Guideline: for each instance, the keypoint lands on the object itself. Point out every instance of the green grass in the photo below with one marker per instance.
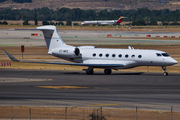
(9, 45)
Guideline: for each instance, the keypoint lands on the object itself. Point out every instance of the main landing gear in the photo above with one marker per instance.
(165, 71)
(90, 71)
(107, 71)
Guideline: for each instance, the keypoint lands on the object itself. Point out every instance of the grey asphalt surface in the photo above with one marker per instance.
(119, 90)
(19, 37)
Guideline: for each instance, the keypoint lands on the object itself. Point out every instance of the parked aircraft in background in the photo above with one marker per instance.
(104, 58)
(103, 22)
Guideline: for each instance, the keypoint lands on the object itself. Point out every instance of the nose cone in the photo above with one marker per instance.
(175, 62)
(171, 61)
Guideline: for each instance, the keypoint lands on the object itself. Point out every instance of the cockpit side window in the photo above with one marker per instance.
(165, 54)
(158, 54)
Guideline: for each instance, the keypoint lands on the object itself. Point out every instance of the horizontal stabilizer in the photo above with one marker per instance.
(47, 27)
(122, 17)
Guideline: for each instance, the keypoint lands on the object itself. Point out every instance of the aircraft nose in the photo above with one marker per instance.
(173, 62)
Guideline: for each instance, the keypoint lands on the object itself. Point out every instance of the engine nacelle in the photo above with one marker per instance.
(66, 52)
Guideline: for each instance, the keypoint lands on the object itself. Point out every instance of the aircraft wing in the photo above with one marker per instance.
(93, 64)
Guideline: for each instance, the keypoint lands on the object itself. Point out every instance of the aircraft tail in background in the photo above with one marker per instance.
(120, 19)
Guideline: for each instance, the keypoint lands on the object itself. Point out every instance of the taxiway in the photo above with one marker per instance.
(75, 88)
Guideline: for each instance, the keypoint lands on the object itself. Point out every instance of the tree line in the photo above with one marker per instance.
(139, 16)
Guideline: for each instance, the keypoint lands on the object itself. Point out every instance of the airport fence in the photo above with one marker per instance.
(86, 113)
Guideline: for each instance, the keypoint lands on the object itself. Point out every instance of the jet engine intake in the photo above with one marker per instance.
(76, 52)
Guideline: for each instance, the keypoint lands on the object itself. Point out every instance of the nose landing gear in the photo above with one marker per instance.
(165, 71)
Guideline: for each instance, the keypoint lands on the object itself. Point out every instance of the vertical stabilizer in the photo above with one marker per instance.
(51, 36)
(120, 19)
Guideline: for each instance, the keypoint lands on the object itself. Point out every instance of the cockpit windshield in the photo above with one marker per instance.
(165, 55)
(158, 54)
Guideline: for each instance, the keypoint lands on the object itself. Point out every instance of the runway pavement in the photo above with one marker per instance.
(75, 88)
(19, 37)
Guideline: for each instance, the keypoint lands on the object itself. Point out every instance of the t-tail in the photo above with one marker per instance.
(56, 45)
(52, 38)
(120, 19)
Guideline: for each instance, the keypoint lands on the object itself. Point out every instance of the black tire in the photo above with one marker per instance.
(89, 72)
(107, 71)
(165, 73)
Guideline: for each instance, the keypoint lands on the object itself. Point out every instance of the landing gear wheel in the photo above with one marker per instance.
(89, 72)
(107, 71)
(165, 73)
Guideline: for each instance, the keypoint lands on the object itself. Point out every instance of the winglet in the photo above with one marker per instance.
(10, 56)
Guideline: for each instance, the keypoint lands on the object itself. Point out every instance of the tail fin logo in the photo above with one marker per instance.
(120, 19)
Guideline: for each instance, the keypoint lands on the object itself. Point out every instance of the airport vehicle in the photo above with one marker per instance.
(103, 22)
(104, 58)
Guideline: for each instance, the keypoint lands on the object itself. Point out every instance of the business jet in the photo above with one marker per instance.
(104, 22)
(104, 58)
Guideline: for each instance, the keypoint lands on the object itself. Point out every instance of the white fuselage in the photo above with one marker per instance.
(107, 22)
(128, 57)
